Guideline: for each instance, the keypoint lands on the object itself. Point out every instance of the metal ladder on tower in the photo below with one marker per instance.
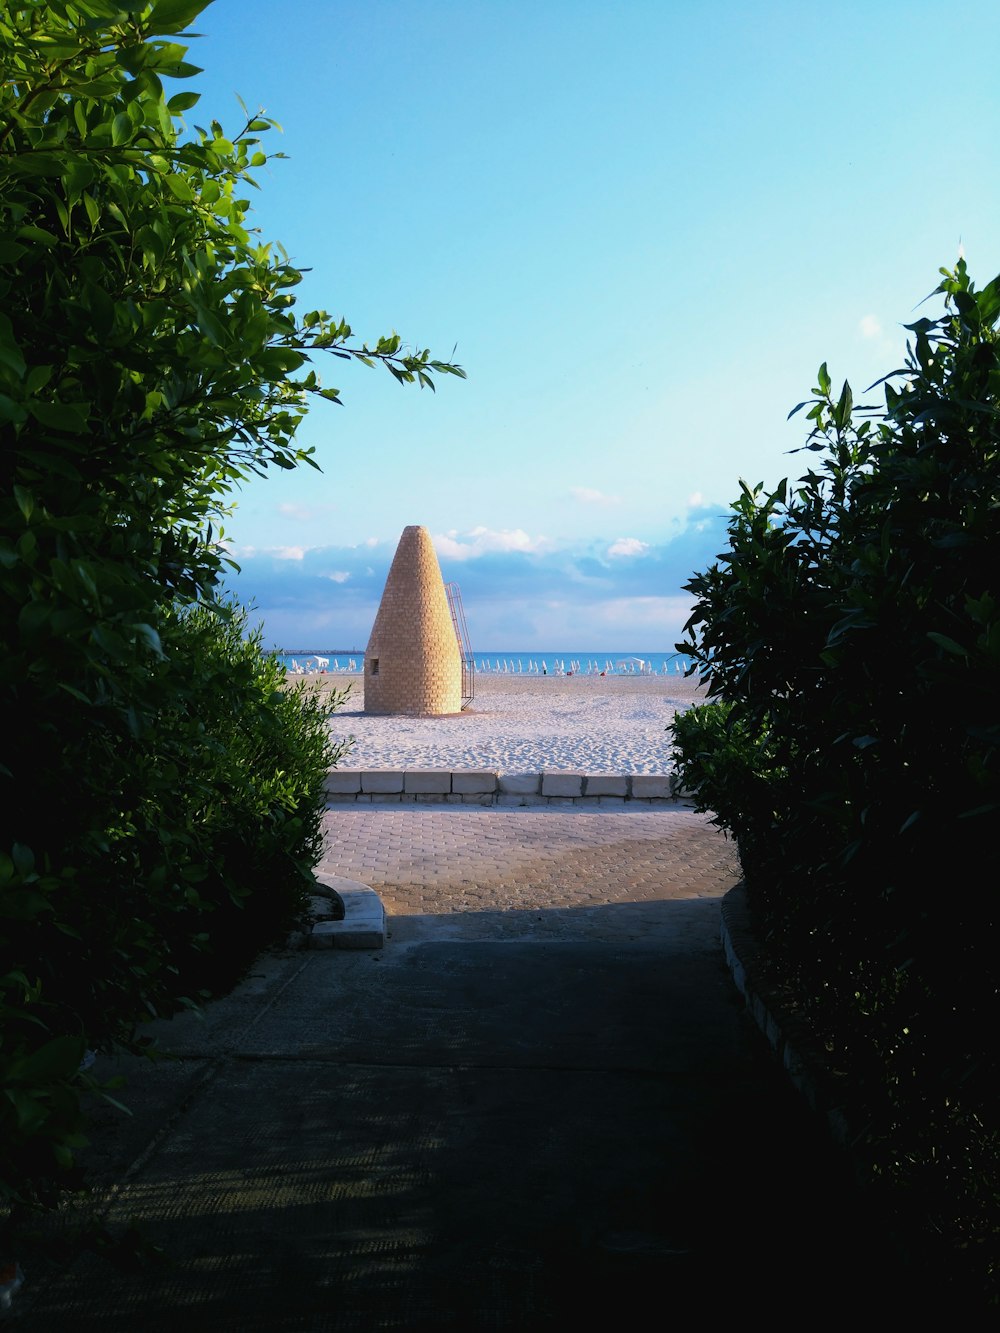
(454, 596)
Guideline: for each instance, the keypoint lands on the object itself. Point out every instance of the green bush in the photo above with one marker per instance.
(256, 754)
(207, 858)
(158, 789)
(717, 755)
(852, 633)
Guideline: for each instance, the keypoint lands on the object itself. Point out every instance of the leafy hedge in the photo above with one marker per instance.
(850, 638)
(158, 790)
(211, 827)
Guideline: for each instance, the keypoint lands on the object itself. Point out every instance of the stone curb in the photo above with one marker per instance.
(363, 923)
(493, 788)
(791, 1041)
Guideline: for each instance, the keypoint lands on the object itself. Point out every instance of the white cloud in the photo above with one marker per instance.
(524, 591)
(628, 546)
(643, 613)
(870, 326)
(588, 496)
(370, 541)
(696, 500)
(481, 541)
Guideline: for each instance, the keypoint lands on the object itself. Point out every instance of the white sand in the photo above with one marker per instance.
(519, 724)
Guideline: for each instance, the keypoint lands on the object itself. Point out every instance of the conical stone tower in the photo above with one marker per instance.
(412, 663)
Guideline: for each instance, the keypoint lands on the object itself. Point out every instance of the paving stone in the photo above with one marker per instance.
(455, 859)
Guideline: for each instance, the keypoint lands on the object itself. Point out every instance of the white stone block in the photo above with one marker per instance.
(520, 784)
(382, 780)
(562, 784)
(605, 784)
(473, 783)
(435, 781)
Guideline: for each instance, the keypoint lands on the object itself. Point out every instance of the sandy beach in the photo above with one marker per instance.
(523, 724)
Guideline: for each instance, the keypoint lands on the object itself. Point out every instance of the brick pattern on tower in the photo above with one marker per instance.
(412, 663)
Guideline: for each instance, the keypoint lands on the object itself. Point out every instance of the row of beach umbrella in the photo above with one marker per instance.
(560, 667)
(509, 666)
(321, 664)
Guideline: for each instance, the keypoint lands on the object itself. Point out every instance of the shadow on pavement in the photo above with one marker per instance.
(489, 1124)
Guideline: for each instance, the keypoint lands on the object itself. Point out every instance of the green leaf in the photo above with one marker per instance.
(71, 417)
(212, 327)
(171, 16)
(25, 502)
(181, 70)
(182, 102)
(37, 234)
(845, 404)
(121, 129)
(824, 381)
(37, 378)
(150, 638)
(948, 644)
(37, 164)
(75, 693)
(179, 187)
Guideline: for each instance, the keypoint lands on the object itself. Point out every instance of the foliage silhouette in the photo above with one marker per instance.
(850, 640)
(157, 785)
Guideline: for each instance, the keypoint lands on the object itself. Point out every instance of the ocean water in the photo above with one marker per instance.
(523, 663)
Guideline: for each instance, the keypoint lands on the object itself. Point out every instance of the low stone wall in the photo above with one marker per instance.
(484, 787)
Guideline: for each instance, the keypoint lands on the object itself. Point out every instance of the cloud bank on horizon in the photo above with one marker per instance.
(519, 591)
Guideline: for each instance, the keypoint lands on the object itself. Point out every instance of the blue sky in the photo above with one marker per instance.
(640, 228)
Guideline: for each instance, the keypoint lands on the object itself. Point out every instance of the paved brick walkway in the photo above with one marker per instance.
(472, 872)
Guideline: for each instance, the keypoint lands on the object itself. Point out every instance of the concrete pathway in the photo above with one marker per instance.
(540, 1106)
